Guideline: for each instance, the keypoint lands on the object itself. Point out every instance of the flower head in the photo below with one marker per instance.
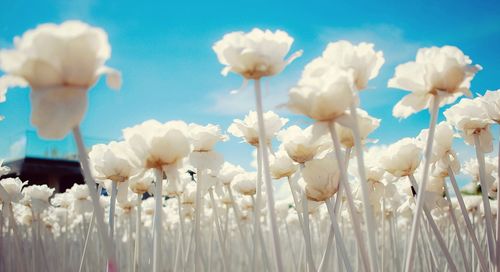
(245, 183)
(204, 138)
(60, 63)
(443, 71)
(402, 157)
(324, 97)
(38, 192)
(366, 123)
(281, 165)
(13, 187)
(303, 145)
(248, 128)
(157, 145)
(491, 103)
(321, 178)
(255, 54)
(112, 161)
(470, 118)
(361, 60)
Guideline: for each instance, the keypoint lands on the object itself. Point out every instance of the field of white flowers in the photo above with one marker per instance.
(163, 199)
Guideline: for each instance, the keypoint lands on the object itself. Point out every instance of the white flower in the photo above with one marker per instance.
(281, 165)
(401, 158)
(471, 167)
(204, 138)
(321, 178)
(442, 142)
(79, 191)
(360, 59)
(249, 130)
(13, 187)
(325, 97)
(142, 183)
(245, 183)
(228, 172)
(254, 54)
(303, 145)
(112, 161)
(366, 123)
(62, 200)
(491, 103)
(38, 192)
(157, 145)
(443, 71)
(470, 118)
(60, 63)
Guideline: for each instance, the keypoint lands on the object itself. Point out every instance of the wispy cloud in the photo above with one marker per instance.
(275, 95)
(80, 9)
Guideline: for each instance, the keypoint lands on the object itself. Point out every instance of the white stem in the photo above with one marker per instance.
(338, 236)
(91, 226)
(468, 223)
(237, 214)
(157, 221)
(138, 234)
(256, 222)
(107, 243)
(451, 211)
(112, 206)
(437, 233)
(486, 201)
(267, 178)
(420, 197)
(367, 207)
(350, 199)
(219, 230)
(197, 227)
(307, 233)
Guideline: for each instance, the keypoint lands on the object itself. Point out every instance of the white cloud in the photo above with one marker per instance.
(274, 96)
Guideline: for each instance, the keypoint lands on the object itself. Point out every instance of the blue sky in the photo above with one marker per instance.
(170, 71)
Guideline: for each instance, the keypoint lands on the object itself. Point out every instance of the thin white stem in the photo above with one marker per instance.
(420, 197)
(486, 201)
(219, 230)
(451, 211)
(107, 243)
(338, 236)
(157, 221)
(267, 178)
(435, 229)
(237, 214)
(307, 233)
(112, 206)
(197, 227)
(138, 234)
(468, 223)
(350, 199)
(367, 207)
(256, 205)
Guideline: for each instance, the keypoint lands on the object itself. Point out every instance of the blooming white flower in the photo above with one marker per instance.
(443, 71)
(248, 128)
(204, 138)
(366, 123)
(112, 161)
(471, 167)
(157, 145)
(321, 178)
(255, 54)
(79, 191)
(361, 60)
(38, 192)
(470, 118)
(491, 103)
(303, 145)
(325, 97)
(402, 157)
(142, 183)
(228, 171)
(281, 165)
(13, 187)
(60, 63)
(245, 183)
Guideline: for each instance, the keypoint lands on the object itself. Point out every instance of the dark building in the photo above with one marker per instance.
(41, 161)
